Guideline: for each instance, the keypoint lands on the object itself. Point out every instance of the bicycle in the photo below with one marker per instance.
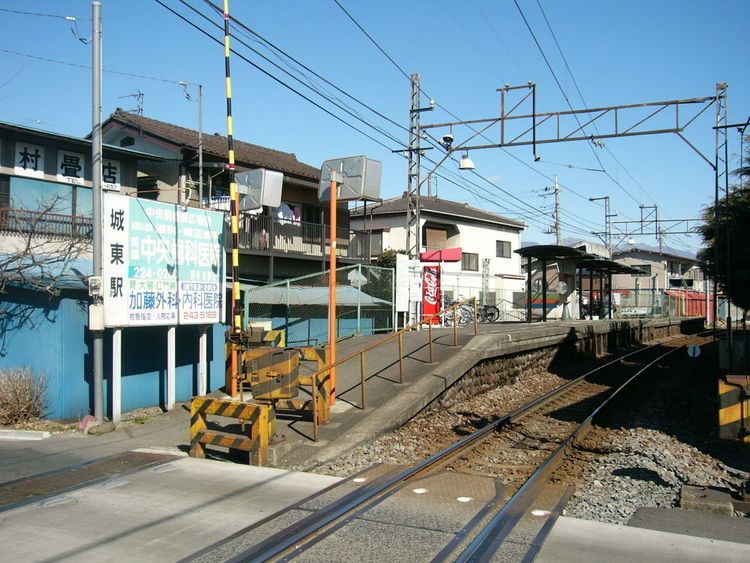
(488, 313)
(464, 314)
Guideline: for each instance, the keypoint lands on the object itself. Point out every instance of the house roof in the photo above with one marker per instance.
(437, 206)
(246, 154)
(23, 129)
(668, 255)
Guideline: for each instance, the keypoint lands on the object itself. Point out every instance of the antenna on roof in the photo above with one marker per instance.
(138, 95)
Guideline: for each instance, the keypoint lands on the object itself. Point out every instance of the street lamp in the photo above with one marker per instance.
(466, 163)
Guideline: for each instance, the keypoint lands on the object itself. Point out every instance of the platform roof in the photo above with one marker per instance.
(552, 252)
(606, 266)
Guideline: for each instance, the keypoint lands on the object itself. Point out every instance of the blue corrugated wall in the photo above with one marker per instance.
(50, 335)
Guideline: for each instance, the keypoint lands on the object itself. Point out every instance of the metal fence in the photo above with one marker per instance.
(299, 306)
(264, 233)
(44, 223)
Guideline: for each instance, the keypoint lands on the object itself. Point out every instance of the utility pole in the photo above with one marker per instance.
(558, 223)
(413, 205)
(412, 191)
(97, 336)
(200, 145)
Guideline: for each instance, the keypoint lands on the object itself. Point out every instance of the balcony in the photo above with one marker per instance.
(52, 225)
(269, 235)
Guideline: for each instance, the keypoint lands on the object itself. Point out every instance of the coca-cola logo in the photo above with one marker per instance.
(431, 286)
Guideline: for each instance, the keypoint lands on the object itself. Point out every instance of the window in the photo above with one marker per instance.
(435, 239)
(148, 187)
(4, 191)
(470, 261)
(502, 249)
(645, 270)
(376, 243)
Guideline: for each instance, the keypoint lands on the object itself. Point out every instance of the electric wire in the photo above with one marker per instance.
(286, 72)
(570, 106)
(534, 210)
(435, 142)
(585, 105)
(88, 67)
(275, 79)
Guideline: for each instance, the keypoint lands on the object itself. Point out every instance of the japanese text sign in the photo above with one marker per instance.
(162, 265)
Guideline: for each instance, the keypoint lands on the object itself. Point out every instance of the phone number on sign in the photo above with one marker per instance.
(200, 315)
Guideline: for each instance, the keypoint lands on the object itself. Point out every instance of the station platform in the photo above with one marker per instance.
(389, 404)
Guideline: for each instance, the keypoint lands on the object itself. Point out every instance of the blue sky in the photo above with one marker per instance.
(619, 52)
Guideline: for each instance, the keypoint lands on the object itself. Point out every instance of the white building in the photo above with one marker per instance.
(661, 271)
(489, 270)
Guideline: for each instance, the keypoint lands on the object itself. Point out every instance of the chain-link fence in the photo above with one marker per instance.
(299, 306)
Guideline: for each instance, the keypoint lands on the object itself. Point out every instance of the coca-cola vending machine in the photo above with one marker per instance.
(431, 293)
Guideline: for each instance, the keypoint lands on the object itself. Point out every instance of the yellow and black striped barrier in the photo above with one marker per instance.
(734, 408)
(261, 420)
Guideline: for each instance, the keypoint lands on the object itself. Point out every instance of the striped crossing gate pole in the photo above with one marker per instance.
(237, 311)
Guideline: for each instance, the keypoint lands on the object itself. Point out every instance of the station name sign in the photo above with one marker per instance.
(162, 264)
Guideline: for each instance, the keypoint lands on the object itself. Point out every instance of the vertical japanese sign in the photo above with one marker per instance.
(111, 175)
(200, 253)
(162, 265)
(29, 160)
(431, 292)
(70, 167)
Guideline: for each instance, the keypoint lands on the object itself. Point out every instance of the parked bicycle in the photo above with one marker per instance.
(461, 315)
(488, 314)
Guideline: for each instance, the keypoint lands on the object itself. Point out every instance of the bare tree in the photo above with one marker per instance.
(37, 251)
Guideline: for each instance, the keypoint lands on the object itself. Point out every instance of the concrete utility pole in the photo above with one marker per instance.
(558, 222)
(200, 145)
(96, 184)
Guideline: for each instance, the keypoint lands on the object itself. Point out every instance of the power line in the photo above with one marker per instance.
(386, 55)
(88, 67)
(535, 211)
(567, 101)
(585, 105)
(237, 22)
(274, 78)
(40, 14)
(361, 28)
(340, 106)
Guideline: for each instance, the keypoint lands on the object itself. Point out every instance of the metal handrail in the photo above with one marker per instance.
(400, 335)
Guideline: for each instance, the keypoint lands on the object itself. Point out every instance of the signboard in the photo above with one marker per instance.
(161, 265)
(431, 292)
(111, 175)
(28, 160)
(70, 167)
(358, 179)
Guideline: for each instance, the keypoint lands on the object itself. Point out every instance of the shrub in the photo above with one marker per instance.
(23, 395)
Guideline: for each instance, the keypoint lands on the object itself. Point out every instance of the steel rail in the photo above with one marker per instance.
(295, 537)
(497, 530)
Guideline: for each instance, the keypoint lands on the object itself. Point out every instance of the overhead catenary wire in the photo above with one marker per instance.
(433, 140)
(237, 22)
(276, 79)
(297, 79)
(585, 105)
(567, 101)
(203, 31)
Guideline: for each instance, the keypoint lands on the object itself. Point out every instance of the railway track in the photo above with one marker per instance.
(521, 450)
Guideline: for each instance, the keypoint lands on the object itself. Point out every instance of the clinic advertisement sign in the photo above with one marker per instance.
(162, 265)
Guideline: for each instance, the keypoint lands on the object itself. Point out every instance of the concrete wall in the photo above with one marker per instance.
(565, 350)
